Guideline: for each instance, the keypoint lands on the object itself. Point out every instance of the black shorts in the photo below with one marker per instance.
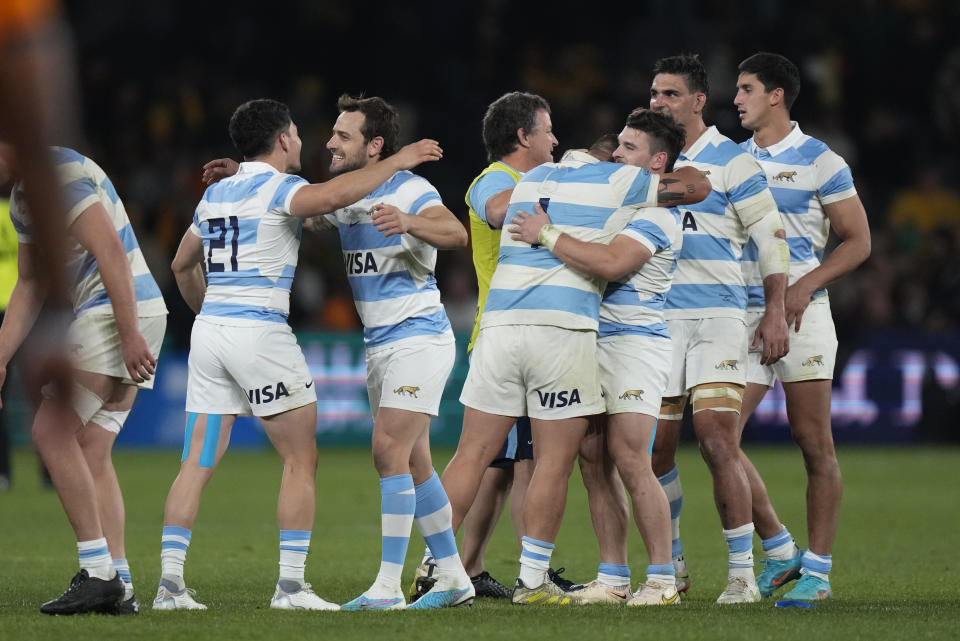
(518, 447)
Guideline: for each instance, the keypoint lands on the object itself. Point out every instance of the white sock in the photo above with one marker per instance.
(294, 545)
(95, 558)
(740, 546)
(534, 561)
(123, 569)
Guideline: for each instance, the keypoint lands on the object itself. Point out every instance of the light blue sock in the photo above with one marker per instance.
(433, 517)
(816, 564)
(294, 545)
(534, 561)
(173, 553)
(616, 576)
(123, 569)
(670, 482)
(781, 546)
(398, 503)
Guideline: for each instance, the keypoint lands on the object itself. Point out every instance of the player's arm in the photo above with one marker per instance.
(94, 231)
(622, 256)
(848, 219)
(683, 186)
(434, 225)
(760, 216)
(348, 188)
(187, 267)
(495, 210)
(24, 306)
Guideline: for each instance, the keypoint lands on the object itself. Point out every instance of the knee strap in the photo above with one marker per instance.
(719, 397)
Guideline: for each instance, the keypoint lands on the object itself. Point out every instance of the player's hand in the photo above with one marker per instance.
(526, 227)
(795, 302)
(137, 357)
(774, 333)
(391, 221)
(217, 170)
(422, 151)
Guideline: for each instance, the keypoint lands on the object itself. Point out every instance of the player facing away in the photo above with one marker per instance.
(705, 311)
(117, 331)
(814, 191)
(518, 136)
(390, 238)
(633, 353)
(244, 358)
(535, 304)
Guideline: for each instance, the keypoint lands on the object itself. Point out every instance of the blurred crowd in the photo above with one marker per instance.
(881, 87)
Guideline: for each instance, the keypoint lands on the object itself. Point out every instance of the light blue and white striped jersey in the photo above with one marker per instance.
(709, 282)
(251, 241)
(634, 304)
(804, 175)
(590, 200)
(392, 278)
(84, 184)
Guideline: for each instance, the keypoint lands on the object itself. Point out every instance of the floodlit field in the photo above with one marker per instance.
(895, 561)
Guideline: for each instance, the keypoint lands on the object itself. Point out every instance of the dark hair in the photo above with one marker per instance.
(604, 146)
(774, 72)
(665, 133)
(687, 65)
(380, 118)
(506, 114)
(255, 125)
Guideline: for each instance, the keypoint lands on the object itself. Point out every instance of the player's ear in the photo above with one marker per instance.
(658, 162)
(522, 137)
(699, 101)
(375, 146)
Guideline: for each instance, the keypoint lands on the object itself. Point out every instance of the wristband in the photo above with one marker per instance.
(548, 236)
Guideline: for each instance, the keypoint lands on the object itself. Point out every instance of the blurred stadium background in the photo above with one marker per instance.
(881, 85)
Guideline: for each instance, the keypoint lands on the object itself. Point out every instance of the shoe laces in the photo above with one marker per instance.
(564, 584)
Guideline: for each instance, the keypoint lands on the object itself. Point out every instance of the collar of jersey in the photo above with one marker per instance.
(790, 140)
(575, 155)
(256, 167)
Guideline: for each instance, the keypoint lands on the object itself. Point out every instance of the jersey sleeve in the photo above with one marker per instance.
(638, 186)
(79, 192)
(489, 185)
(648, 227)
(418, 194)
(747, 189)
(283, 195)
(834, 180)
(195, 225)
(18, 217)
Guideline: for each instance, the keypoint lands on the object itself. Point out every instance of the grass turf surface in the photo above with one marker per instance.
(895, 556)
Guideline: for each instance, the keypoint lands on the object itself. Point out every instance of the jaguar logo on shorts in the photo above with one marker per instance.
(813, 360)
(730, 364)
(632, 395)
(786, 176)
(407, 390)
(559, 399)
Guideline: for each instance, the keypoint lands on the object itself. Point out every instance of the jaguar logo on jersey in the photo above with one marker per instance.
(705, 172)
(267, 393)
(787, 176)
(632, 395)
(361, 263)
(559, 399)
(731, 364)
(407, 390)
(813, 360)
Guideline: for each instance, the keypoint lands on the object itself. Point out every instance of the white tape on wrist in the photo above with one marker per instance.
(548, 236)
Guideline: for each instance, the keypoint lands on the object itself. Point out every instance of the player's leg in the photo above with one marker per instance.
(667, 440)
(522, 471)
(630, 437)
(481, 519)
(432, 517)
(206, 440)
(782, 562)
(293, 435)
(97, 587)
(609, 514)
(808, 408)
(96, 439)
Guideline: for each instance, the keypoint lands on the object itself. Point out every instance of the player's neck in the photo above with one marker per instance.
(276, 160)
(519, 160)
(693, 132)
(772, 131)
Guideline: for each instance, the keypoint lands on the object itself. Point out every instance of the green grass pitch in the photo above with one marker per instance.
(895, 560)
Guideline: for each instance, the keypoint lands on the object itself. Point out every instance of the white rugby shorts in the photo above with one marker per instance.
(706, 350)
(257, 370)
(95, 344)
(813, 350)
(540, 371)
(633, 372)
(411, 373)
